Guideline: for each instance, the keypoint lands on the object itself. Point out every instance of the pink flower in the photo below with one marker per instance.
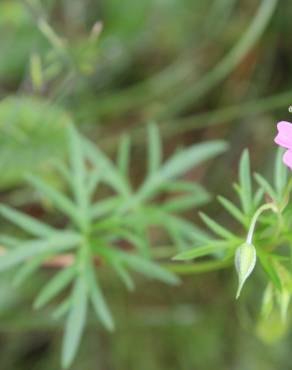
(284, 139)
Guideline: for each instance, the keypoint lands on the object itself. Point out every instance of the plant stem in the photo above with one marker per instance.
(260, 210)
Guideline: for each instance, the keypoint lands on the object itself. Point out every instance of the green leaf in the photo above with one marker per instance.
(104, 165)
(266, 186)
(267, 301)
(62, 309)
(59, 200)
(258, 197)
(232, 209)
(136, 240)
(9, 241)
(154, 148)
(124, 275)
(99, 304)
(216, 228)
(75, 323)
(148, 268)
(266, 262)
(55, 286)
(153, 216)
(179, 164)
(280, 173)
(62, 170)
(245, 183)
(25, 222)
(77, 162)
(27, 270)
(123, 157)
(93, 181)
(183, 161)
(103, 207)
(31, 134)
(198, 196)
(30, 248)
(201, 251)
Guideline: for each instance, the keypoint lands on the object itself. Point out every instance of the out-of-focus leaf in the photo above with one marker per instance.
(75, 322)
(216, 228)
(280, 173)
(267, 263)
(148, 268)
(197, 196)
(55, 286)
(232, 209)
(31, 135)
(154, 149)
(124, 275)
(27, 270)
(27, 223)
(62, 309)
(123, 157)
(102, 207)
(77, 161)
(59, 200)
(245, 183)
(201, 251)
(266, 186)
(180, 163)
(98, 301)
(27, 249)
(104, 165)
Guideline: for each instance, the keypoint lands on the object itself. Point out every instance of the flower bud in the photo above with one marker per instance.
(245, 260)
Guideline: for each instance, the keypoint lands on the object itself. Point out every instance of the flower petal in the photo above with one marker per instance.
(284, 137)
(287, 158)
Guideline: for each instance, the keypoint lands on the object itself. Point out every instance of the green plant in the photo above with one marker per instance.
(267, 237)
(110, 231)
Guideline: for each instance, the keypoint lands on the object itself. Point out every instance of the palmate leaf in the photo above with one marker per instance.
(75, 322)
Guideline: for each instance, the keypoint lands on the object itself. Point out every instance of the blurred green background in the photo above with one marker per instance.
(201, 69)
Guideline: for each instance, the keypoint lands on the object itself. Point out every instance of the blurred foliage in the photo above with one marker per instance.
(201, 70)
(32, 134)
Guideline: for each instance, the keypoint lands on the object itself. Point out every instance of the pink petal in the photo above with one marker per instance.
(284, 137)
(287, 158)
